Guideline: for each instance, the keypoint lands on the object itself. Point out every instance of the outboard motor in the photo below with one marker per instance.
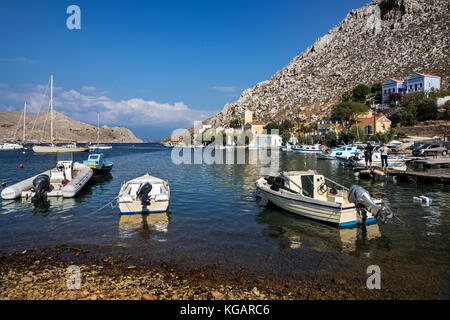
(361, 198)
(142, 195)
(41, 185)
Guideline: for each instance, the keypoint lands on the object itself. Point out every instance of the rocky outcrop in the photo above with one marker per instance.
(65, 128)
(370, 45)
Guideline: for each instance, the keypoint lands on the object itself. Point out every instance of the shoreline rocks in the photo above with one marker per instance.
(42, 274)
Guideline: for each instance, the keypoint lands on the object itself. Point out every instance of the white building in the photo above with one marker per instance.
(293, 140)
(442, 101)
(392, 86)
(264, 141)
(421, 82)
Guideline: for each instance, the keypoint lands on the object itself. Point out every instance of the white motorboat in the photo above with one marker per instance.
(99, 147)
(312, 195)
(394, 162)
(307, 149)
(339, 153)
(66, 180)
(146, 194)
(10, 146)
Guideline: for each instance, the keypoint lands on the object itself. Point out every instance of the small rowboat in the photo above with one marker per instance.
(146, 194)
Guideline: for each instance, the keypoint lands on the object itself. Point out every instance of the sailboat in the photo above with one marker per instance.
(99, 146)
(52, 148)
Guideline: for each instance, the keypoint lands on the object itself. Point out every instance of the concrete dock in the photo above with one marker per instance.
(407, 176)
(429, 162)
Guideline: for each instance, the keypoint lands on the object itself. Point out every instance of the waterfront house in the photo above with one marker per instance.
(333, 124)
(421, 82)
(380, 123)
(391, 86)
(336, 124)
(264, 141)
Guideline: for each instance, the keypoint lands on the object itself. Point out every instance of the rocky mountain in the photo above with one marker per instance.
(65, 128)
(383, 39)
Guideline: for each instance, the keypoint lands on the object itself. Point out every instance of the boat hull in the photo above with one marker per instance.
(134, 207)
(55, 149)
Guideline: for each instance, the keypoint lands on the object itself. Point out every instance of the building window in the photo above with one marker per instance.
(368, 130)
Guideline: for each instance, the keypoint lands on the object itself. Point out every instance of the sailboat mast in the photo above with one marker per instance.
(98, 128)
(51, 108)
(24, 121)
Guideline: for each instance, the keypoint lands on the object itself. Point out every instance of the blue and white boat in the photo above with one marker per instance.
(342, 153)
(287, 147)
(96, 161)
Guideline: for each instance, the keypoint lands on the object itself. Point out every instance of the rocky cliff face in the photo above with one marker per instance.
(370, 45)
(38, 128)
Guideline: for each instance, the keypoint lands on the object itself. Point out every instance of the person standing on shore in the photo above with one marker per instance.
(384, 155)
(368, 154)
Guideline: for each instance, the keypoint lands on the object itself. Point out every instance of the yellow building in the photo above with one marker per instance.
(366, 125)
(256, 128)
(335, 124)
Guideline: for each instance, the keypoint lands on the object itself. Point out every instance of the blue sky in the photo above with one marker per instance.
(152, 66)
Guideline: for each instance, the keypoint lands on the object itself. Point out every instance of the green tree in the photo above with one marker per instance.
(272, 125)
(408, 118)
(427, 110)
(301, 139)
(360, 92)
(331, 139)
(346, 136)
(377, 92)
(309, 140)
(286, 126)
(349, 109)
(286, 136)
(235, 123)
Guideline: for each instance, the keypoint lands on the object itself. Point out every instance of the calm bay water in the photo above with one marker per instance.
(214, 218)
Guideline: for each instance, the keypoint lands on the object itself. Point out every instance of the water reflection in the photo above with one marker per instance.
(152, 226)
(42, 207)
(298, 232)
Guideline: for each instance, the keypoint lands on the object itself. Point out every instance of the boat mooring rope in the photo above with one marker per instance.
(109, 203)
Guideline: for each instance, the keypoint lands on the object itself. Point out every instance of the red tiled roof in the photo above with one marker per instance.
(397, 80)
(371, 119)
(257, 124)
(429, 75)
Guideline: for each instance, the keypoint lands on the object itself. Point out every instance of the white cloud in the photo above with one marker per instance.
(83, 105)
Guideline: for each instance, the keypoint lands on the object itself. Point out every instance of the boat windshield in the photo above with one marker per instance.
(94, 157)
